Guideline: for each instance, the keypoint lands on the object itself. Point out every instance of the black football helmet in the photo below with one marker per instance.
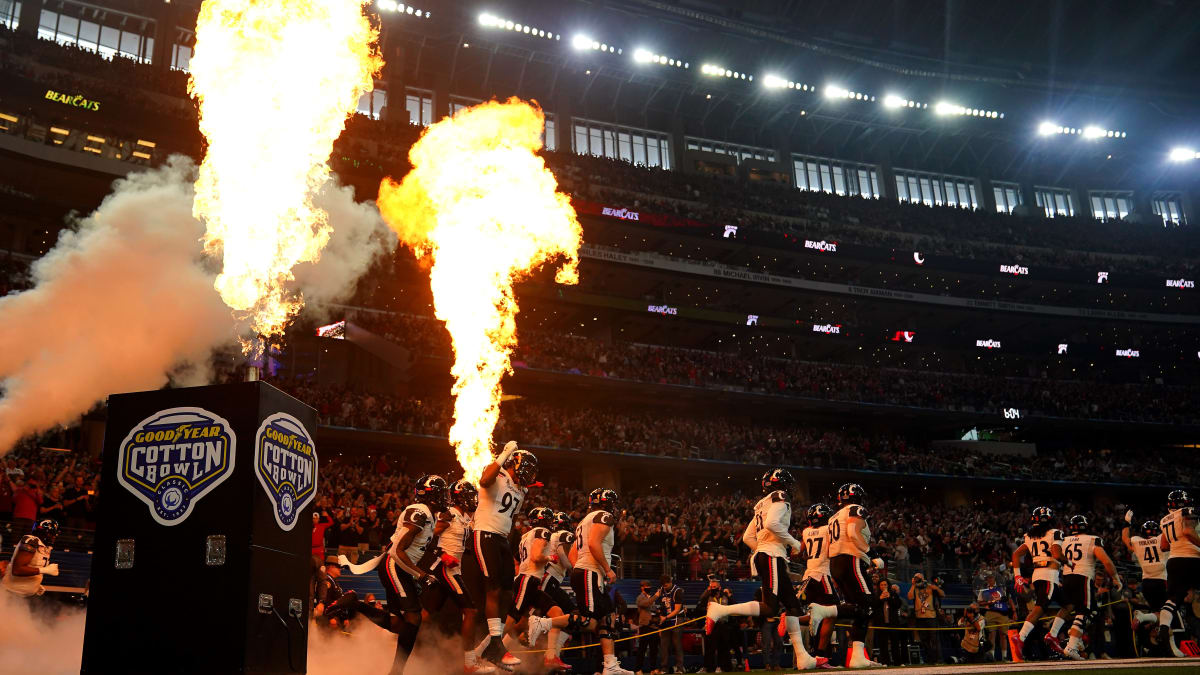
(604, 499)
(1042, 515)
(1077, 525)
(541, 517)
(562, 522)
(778, 479)
(1151, 529)
(1178, 499)
(818, 515)
(852, 493)
(434, 492)
(46, 530)
(522, 465)
(464, 495)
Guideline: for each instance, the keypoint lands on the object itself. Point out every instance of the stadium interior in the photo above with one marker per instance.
(945, 251)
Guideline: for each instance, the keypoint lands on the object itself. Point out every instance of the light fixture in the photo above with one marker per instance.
(1093, 132)
(401, 8)
(1047, 128)
(491, 21)
(1182, 154)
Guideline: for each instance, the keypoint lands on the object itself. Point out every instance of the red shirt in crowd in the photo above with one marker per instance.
(318, 535)
(26, 502)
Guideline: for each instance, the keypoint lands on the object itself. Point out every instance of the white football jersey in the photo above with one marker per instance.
(420, 517)
(1174, 524)
(538, 537)
(584, 559)
(560, 544)
(816, 547)
(1041, 550)
(456, 535)
(1080, 550)
(1152, 560)
(772, 520)
(840, 541)
(499, 503)
(31, 585)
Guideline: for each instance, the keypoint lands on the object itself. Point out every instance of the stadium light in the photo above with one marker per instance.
(401, 8)
(1047, 128)
(893, 101)
(775, 82)
(1182, 154)
(646, 56)
(491, 21)
(1093, 132)
(945, 108)
(722, 71)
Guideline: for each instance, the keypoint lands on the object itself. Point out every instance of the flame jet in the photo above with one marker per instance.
(275, 81)
(481, 205)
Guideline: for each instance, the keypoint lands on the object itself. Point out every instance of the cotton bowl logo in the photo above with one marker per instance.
(285, 461)
(173, 458)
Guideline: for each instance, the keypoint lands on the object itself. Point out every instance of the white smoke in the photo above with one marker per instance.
(121, 301)
(359, 237)
(32, 645)
(125, 300)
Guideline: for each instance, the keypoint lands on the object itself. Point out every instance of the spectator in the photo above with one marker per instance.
(993, 599)
(716, 645)
(27, 499)
(924, 596)
(890, 640)
(973, 645)
(647, 623)
(670, 599)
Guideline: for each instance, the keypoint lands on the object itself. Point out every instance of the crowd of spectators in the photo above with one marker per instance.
(601, 428)
(964, 392)
(1074, 242)
(37, 483)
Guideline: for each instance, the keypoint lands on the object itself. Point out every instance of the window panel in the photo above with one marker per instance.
(68, 29)
(839, 182)
(901, 189)
(89, 34)
(550, 139)
(653, 158)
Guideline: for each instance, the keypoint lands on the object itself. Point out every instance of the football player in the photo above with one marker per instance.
(30, 561)
(593, 572)
(1183, 566)
(1043, 543)
(401, 573)
(851, 557)
(817, 588)
(535, 558)
(489, 571)
(453, 544)
(1153, 561)
(769, 540)
(1082, 550)
(561, 541)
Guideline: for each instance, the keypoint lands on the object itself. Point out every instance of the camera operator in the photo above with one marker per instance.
(334, 608)
(716, 646)
(648, 622)
(926, 597)
(973, 645)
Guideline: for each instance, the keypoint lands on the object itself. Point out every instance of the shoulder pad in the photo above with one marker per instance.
(778, 496)
(445, 517)
(1098, 542)
(858, 511)
(1058, 535)
(415, 515)
(29, 543)
(567, 538)
(541, 533)
(605, 518)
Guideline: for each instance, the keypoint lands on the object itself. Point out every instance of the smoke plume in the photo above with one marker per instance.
(125, 300)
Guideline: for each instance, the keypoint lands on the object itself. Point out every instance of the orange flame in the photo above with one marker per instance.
(275, 81)
(484, 207)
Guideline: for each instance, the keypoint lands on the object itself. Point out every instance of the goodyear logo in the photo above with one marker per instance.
(285, 461)
(173, 458)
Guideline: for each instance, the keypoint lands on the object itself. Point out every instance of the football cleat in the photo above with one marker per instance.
(817, 614)
(1016, 645)
(479, 668)
(538, 626)
(1053, 643)
(555, 664)
(1073, 654)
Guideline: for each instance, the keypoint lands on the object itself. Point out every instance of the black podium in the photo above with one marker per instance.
(202, 555)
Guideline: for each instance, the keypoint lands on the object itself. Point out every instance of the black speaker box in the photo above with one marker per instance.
(202, 557)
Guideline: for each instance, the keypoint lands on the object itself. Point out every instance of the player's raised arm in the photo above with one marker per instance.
(492, 470)
(1125, 538)
(1109, 567)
